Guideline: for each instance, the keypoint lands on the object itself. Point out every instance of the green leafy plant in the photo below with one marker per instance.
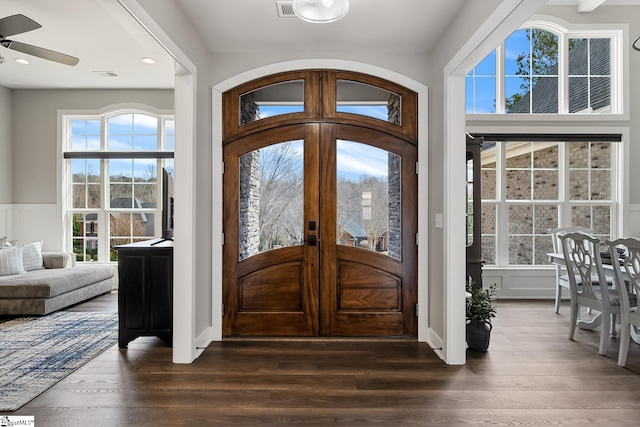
(481, 306)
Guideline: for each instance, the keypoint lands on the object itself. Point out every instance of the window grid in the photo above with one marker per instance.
(482, 75)
(607, 100)
(514, 230)
(590, 74)
(135, 215)
(534, 72)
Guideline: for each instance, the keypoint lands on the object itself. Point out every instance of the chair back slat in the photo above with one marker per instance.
(631, 265)
(582, 255)
(557, 232)
(627, 281)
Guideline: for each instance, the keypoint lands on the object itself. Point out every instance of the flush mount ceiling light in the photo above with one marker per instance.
(22, 61)
(148, 60)
(320, 11)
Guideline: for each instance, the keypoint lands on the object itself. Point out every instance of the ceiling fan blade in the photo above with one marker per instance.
(41, 52)
(17, 24)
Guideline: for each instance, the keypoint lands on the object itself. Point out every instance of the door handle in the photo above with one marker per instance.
(313, 241)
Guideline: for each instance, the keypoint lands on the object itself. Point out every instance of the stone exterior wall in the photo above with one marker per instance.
(249, 238)
(249, 110)
(395, 242)
(394, 110)
(249, 241)
(394, 186)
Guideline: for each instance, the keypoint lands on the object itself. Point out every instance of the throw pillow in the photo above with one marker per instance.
(32, 256)
(11, 261)
(3, 242)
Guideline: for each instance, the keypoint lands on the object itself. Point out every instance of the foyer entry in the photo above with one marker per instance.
(320, 206)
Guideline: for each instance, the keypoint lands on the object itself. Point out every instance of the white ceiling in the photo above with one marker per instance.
(106, 38)
(370, 25)
(99, 32)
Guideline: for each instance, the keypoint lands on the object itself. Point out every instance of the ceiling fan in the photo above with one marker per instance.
(18, 24)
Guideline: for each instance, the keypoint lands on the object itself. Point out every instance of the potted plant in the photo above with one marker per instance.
(481, 307)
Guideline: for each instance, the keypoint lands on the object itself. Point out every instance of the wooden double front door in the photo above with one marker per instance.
(320, 224)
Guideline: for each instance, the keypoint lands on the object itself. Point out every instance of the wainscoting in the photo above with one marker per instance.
(32, 222)
(6, 214)
(522, 283)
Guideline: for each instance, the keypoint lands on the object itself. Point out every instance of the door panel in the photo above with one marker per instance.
(270, 289)
(368, 273)
(277, 287)
(367, 288)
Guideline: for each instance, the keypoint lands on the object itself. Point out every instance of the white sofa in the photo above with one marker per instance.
(58, 285)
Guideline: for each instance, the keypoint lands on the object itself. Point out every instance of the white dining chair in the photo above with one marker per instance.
(627, 278)
(582, 255)
(562, 278)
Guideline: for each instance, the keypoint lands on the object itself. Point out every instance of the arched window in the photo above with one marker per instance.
(546, 69)
(111, 191)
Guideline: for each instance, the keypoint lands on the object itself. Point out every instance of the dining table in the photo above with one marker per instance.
(558, 258)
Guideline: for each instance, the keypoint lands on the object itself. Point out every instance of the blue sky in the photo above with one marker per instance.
(126, 132)
(354, 160)
(485, 75)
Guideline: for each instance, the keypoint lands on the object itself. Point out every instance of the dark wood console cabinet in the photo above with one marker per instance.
(145, 291)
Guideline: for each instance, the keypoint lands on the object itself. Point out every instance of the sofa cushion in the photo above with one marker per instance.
(58, 259)
(32, 256)
(47, 283)
(11, 260)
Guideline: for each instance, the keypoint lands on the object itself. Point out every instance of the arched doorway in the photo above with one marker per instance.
(320, 206)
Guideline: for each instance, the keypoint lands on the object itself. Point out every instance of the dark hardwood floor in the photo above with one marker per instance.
(531, 375)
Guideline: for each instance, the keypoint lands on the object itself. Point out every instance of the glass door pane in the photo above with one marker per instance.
(368, 198)
(271, 198)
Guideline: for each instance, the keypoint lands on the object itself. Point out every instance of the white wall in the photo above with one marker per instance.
(227, 65)
(5, 146)
(193, 298)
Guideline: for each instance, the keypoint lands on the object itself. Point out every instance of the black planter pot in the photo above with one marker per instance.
(478, 335)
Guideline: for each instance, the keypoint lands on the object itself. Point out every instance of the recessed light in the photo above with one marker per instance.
(147, 60)
(22, 61)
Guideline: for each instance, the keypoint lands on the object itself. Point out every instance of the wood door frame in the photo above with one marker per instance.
(425, 334)
(355, 305)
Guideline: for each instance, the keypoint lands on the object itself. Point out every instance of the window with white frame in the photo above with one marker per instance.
(529, 187)
(110, 181)
(544, 69)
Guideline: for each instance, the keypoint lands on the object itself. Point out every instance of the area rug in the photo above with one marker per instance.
(37, 352)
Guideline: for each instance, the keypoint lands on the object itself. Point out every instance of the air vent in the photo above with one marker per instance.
(285, 9)
(106, 73)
